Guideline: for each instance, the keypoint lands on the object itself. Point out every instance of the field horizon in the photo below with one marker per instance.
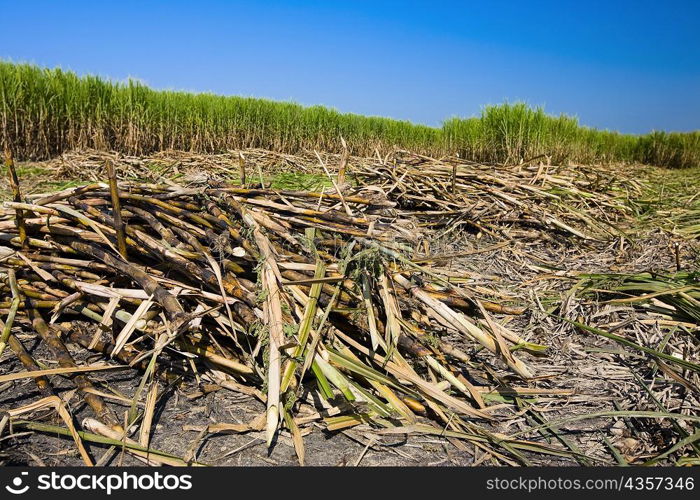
(45, 112)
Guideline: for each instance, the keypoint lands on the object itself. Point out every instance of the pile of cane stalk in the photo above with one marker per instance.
(530, 201)
(295, 298)
(526, 201)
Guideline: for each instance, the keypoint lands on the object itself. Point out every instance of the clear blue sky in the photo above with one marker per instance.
(633, 66)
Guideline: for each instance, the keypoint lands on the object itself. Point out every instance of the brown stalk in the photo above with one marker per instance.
(17, 197)
(65, 360)
(116, 208)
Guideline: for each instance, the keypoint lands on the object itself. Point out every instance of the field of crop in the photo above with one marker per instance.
(195, 279)
(44, 112)
(258, 307)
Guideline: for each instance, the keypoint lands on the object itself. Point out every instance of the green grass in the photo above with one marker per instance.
(37, 180)
(44, 112)
(287, 181)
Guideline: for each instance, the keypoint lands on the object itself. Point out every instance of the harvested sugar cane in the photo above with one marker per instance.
(280, 292)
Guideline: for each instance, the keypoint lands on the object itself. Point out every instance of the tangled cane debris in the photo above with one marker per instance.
(304, 300)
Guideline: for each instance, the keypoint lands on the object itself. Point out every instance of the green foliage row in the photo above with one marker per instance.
(44, 112)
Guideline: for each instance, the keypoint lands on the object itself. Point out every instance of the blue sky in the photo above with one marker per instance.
(628, 66)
